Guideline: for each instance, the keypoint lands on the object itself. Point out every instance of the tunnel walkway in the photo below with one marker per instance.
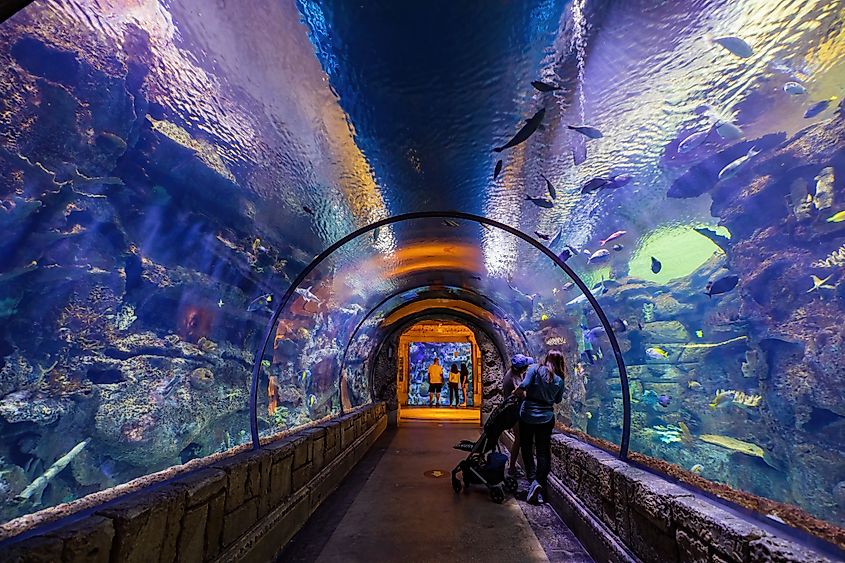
(391, 508)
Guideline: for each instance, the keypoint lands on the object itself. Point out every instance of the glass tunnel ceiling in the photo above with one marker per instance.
(166, 165)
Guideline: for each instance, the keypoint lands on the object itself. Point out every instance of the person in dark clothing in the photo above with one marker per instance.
(541, 389)
(454, 379)
(512, 379)
(464, 381)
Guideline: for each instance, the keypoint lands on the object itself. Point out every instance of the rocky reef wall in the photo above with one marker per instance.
(748, 392)
(130, 257)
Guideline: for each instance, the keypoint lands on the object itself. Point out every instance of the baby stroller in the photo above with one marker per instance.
(485, 464)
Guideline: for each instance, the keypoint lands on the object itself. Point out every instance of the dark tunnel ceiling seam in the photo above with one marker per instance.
(617, 351)
(395, 294)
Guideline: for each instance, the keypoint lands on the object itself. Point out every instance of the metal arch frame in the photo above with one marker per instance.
(617, 351)
(395, 294)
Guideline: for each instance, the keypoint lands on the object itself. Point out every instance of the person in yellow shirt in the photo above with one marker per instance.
(435, 382)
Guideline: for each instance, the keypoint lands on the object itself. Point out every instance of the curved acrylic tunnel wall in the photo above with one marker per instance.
(161, 177)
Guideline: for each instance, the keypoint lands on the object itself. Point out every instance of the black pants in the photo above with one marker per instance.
(541, 436)
(453, 392)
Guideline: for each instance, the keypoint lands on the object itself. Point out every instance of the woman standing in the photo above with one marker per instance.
(454, 380)
(464, 380)
(542, 388)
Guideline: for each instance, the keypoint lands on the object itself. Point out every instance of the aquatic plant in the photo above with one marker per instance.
(833, 260)
(747, 400)
(125, 317)
(648, 312)
(664, 434)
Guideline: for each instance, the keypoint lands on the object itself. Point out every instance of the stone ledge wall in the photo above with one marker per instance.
(245, 507)
(657, 520)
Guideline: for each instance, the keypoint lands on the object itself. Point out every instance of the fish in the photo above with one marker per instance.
(353, 309)
(376, 233)
(664, 400)
(168, 387)
(722, 397)
(527, 130)
(601, 183)
(735, 45)
(613, 236)
(731, 170)
(817, 108)
(794, 88)
(260, 303)
(540, 201)
(587, 131)
(544, 317)
(719, 240)
(722, 285)
(220, 304)
(728, 131)
(694, 385)
(312, 399)
(580, 299)
(556, 239)
(498, 169)
(308, 210)
(566, 254)
(697, 469)
(550, 188)
(819, 283)
(699, 333)
(542, 235)
(837, 218)
(693, 141)
(589, 415)
(618, 247)
(595, 184)
(656, 266)
(450, 223)
(599, 255)
(544, 86)
(304, 376)
(656, 353)
(306, 294)
(567, 286)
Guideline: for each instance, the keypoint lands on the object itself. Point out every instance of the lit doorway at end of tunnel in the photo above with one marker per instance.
(453, 344)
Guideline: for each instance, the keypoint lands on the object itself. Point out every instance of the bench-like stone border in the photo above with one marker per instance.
(244, 507)
(623, 513)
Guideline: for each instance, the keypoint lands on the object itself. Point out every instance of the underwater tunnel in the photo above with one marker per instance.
(237, 235)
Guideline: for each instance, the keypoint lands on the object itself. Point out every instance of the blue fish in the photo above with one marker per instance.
(816, 108)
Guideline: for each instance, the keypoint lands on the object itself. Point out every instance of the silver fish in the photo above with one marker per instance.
(735, 45)
(587, 131)
(693, 141)
(734, 167)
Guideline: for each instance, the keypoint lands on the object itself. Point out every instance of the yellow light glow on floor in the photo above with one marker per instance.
(441, 414)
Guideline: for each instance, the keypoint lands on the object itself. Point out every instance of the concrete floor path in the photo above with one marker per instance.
(395, 507)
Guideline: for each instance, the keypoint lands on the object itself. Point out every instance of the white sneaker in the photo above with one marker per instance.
(533, 492)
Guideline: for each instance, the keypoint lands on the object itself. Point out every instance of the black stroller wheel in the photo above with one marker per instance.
(511, 485)
(456, 485)
(497, 494)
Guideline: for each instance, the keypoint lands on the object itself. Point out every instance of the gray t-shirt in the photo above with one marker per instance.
(540, 395)
(510, 382)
